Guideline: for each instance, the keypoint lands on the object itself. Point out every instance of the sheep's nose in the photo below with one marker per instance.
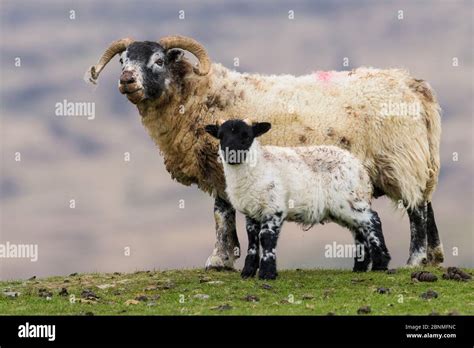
(127, 78)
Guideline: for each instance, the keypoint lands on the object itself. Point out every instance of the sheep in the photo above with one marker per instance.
(307, 185)
(353, 110)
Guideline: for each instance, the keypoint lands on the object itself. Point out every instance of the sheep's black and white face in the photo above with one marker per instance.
(147, 70)
(236, 138)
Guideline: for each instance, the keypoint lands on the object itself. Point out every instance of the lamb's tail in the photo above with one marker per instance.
(432, 117)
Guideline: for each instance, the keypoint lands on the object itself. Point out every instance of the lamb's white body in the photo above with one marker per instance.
(307, 184)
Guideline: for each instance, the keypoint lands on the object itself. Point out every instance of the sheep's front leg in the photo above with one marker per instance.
(253, 255)
(227, 247)
(269, 232)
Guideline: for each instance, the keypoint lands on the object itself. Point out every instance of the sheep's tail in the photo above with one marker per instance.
(432, 116)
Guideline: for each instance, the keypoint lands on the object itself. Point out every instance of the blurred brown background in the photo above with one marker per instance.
(136, 204)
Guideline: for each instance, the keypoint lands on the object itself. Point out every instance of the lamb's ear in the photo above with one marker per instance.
(212, 129)
(174, 55)
(261, 128)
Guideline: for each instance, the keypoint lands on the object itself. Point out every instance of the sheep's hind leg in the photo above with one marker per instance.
(435, 248)
(418, 240)
(253, 258)
(227, 247)
(269, 232)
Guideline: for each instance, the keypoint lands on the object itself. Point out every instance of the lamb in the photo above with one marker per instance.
(307, 185)
(347, 109)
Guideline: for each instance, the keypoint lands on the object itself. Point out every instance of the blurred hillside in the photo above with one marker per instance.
(136, 204)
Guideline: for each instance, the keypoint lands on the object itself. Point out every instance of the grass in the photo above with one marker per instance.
(196, 292)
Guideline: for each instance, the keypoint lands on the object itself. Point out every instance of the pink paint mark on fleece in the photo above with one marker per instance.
(323, 76)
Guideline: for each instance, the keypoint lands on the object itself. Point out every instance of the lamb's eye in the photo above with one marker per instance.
(121, 61)
(159, 61)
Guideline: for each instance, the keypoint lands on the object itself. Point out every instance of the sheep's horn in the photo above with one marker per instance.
(115, 47)
(192, 46)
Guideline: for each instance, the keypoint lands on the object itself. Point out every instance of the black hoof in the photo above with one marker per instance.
(250, 267)
(248, 273)
(268, 270)
(361, 266)
(381, 262)
(379, 268)
(267, 275)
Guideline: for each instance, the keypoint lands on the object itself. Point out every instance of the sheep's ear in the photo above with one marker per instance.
(261, 128)
(212, 129)
(174, 55)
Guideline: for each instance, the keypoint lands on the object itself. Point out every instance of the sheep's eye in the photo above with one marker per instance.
(121, 61)
(159, 61)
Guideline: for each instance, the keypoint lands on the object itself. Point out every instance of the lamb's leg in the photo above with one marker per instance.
(435, 248)
(362, 259)
(367, 224)
(418, 241)
(269, 232)
(227, 247)
(253, 257)
(378, 250)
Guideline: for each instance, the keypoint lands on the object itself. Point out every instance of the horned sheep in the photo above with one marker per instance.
(347, 109)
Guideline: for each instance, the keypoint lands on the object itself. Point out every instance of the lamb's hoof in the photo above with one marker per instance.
(251, 267)
(435, 255)
(380, 263)
(248, 272)
(267, 275)
(267, 270)
(219, 263)
(360, 268)
(379, 268)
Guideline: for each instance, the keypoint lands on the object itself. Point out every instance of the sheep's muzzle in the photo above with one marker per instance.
(135, 95)
(129, 86)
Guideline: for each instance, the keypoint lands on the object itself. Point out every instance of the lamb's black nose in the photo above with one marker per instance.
(127, 78)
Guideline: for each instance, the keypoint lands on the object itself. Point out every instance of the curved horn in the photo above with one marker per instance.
(192, 46)
(115, 47)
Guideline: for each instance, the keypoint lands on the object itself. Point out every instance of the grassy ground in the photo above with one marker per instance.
(190, 292)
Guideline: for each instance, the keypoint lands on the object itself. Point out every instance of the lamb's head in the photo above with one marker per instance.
(148, 68)
(236, 137)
